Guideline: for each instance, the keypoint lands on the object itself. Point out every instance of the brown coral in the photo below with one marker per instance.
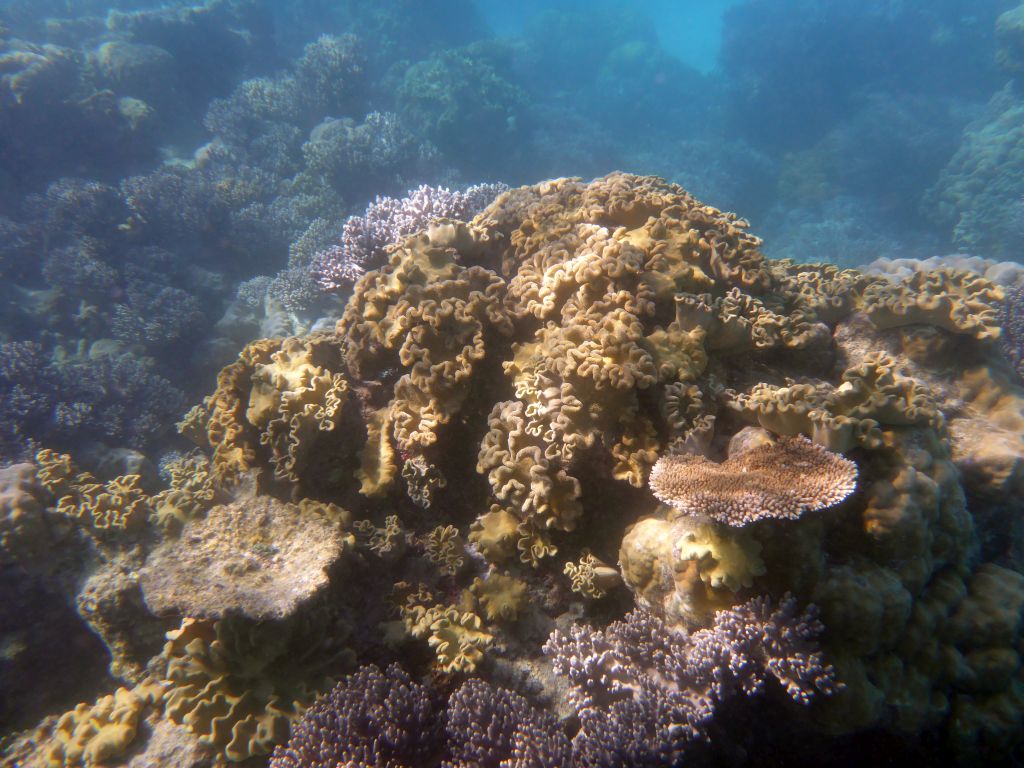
(780, 480)
(256, 557)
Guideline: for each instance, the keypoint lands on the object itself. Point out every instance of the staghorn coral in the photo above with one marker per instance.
(638, 672)
(388, 720)
(489, 727)
(780, 480)
(384, 719)
(389, 220)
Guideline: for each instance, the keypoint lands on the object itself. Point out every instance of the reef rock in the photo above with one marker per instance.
(257, 557)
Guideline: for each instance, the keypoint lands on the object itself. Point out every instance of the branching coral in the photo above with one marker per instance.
(638, 672)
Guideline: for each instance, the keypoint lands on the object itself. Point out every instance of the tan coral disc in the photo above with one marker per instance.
(781, 480)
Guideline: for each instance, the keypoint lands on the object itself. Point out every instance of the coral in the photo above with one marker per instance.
(92, 734)
(237, 685)
(388, 720)
(495, 728)
(387, 542)
(457, 637)
(781, 480)
(383, 719)
(1012, 323)
(388, 220)
(278, 403)
(191, 493)
(684, 569)
(875, 392)
(465, 106)
(591, 577)
(445, 548)
(502, 597)
(977, 195)
(495, 534)
(255, 557)
(959, 302)
(24, 534)
(119, 503)
(638, 672)
(428, 317)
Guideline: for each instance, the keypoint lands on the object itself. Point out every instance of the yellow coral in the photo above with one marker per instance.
(955, 300)
(591, 577)
(91, 734)
(445, 548)
(495, 534)
(502, 597)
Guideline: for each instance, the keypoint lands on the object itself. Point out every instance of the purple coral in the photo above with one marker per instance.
(372, 718)
(377, 719)
(388, 219)
(496, 728)
(1013, 327)
(645, 690)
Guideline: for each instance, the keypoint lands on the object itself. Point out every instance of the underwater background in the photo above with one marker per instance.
(538, 383)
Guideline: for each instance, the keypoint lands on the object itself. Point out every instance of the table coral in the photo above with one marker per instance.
(256, 557)
(780, 480)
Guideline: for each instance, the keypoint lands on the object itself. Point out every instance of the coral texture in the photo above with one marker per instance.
(783, 480)
(638, 673)
(256, 557)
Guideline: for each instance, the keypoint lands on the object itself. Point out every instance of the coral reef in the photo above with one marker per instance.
(502, 405)
(92, 734)
(387, 719)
